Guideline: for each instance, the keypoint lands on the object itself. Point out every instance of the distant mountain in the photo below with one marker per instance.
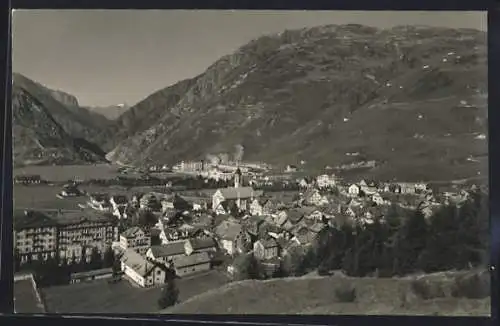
(111, 112)
(411, 99)
(49, 127)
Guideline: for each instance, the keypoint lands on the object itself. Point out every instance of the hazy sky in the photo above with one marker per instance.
(108, 57)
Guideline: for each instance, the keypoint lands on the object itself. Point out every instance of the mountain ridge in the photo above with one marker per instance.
(307, 94)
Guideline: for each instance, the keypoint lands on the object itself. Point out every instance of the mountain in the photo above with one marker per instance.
(50, 127)
(410, 100)
(111, 112)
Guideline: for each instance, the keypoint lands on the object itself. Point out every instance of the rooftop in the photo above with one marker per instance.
(137, 262)
(241, 192)
(169, 249)
(191, 260)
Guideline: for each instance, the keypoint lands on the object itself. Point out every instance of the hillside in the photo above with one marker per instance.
(412, 99)
(47, 130)
(320, 295)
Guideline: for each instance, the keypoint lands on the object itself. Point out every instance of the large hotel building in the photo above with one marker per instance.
(62, 234)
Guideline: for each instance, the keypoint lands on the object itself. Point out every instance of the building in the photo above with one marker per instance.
(326, 181)
(313, 197)
(35, 236)
(79, 232)
(64, 235)
(190, 264)
(239, 196)
(150, 202)
(28, 179)
(266, 249)
(207, 245)
(291, 169)
(70, 190)
(141, 271)
(231, 236)
(136, 239)
(91, 275)
(100, 202)
(354, 190)
(165, 253)
(377, 199)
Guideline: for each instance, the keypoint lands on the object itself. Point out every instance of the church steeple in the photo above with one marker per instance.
(237, 178)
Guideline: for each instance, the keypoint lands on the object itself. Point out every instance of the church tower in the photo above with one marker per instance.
(237, 178)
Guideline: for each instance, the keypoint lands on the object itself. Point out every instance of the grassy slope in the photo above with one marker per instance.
(316, 295)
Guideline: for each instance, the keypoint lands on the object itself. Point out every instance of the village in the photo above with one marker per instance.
(144, 238)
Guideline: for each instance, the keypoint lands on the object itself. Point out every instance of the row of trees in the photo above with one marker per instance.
(452, 238)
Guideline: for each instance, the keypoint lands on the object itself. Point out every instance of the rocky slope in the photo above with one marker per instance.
(411, 99)
(49, 130)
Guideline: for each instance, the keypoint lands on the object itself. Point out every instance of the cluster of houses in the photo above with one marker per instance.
(192, 236)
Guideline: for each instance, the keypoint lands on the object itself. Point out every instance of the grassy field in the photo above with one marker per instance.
(318, 295)
(123, 297)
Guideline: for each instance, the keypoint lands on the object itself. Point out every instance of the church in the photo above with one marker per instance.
(224, 198)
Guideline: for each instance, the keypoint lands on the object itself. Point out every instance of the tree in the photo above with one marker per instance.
(169, 295)
(146, 219)
(411, 242)
(109, 258)
(246, 267)
(96, 261)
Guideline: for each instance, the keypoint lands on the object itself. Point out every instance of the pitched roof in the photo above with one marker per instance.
(99, 197)
(241, 192)
(32, 219)
(269, 243)
(169, 249)
(131, 232)
(137, 262)
(228, 230)
(198, 244)
(295, 215)
(191, 260)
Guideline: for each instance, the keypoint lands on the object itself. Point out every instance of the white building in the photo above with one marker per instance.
(353, 190)
(138, 269)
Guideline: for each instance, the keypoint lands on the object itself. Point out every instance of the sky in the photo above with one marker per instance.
(107, 57)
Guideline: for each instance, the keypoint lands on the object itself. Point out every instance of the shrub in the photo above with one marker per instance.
(426, 289)
(475, 286)
(346, 293)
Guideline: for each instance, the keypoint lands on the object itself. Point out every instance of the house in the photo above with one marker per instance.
(377, 199)
(231, 236)
(256, 206)
(150, 202)
(291, 169)
(354, 190)
(303, 236)
(190, 264)
(136, 239)
(313, 214)
(141, 271)
(118, 201)
(303, 183)
(420, 187)
(252, 224)
(326, 181)
(313, 197)
(70, 190)
(163, 254)
(200, 245)
(99, 202)
(265, 249)
(407, 187)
